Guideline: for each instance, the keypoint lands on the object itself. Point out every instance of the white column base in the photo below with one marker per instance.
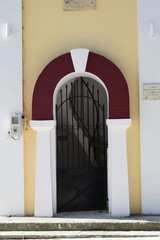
(44, 166)
(118, 189)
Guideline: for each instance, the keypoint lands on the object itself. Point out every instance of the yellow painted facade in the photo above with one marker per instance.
(111, 31)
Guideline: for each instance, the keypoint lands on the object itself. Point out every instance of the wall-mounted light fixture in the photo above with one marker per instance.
(152, 32)
(6, 30)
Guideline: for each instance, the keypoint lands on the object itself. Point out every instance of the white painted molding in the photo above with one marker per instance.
(118, 188)
(42, 125)
(44, 164)
(119, 123)
(79, 58)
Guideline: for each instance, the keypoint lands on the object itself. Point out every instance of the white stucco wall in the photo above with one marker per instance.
(149, 72)
(11, 151)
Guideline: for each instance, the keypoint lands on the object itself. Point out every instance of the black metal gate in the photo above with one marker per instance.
(81, 147)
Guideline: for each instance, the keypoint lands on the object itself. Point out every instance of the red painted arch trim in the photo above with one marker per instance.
(114, 81)
(42, 104)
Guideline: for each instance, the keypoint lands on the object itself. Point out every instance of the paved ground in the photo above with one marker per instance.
(103, 215)
(94, 239)
(84, 216)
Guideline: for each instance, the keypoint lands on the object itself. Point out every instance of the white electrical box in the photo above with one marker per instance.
(16, 125)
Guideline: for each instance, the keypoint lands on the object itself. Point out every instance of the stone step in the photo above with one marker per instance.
(78, 235)
(95, 221)
(112, 238)
(83, 225)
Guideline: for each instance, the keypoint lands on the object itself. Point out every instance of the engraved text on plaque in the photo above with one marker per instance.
(151, 91)
(79, 4)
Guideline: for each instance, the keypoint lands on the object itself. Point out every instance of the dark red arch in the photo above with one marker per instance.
(42, 104)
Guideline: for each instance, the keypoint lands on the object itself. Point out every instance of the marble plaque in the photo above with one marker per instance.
(79, 5)
(151, 91)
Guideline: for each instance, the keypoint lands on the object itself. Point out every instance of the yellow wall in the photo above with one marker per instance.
(110, 30)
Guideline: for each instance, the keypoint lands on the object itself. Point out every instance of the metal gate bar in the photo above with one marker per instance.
(81, 146)
(67, 124)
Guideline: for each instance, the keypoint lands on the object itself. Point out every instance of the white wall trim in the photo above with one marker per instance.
(42, 125)
(44, 186)
(79, 58)
(118, 189)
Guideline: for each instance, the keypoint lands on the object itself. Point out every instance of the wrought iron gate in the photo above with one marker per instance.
(81, 148)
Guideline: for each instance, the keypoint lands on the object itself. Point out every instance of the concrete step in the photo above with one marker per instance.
(130, 238)
(82, 221)
(78, 235)
(53, 224)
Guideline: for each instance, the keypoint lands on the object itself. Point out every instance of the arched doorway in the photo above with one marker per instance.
(76, 64)
(81, 113)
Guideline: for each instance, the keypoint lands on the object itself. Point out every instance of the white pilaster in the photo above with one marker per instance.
(54, 170)
(44, 164)
(118, 189)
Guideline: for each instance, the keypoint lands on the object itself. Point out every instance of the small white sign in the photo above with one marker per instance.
(79, 4)
(151, 91)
